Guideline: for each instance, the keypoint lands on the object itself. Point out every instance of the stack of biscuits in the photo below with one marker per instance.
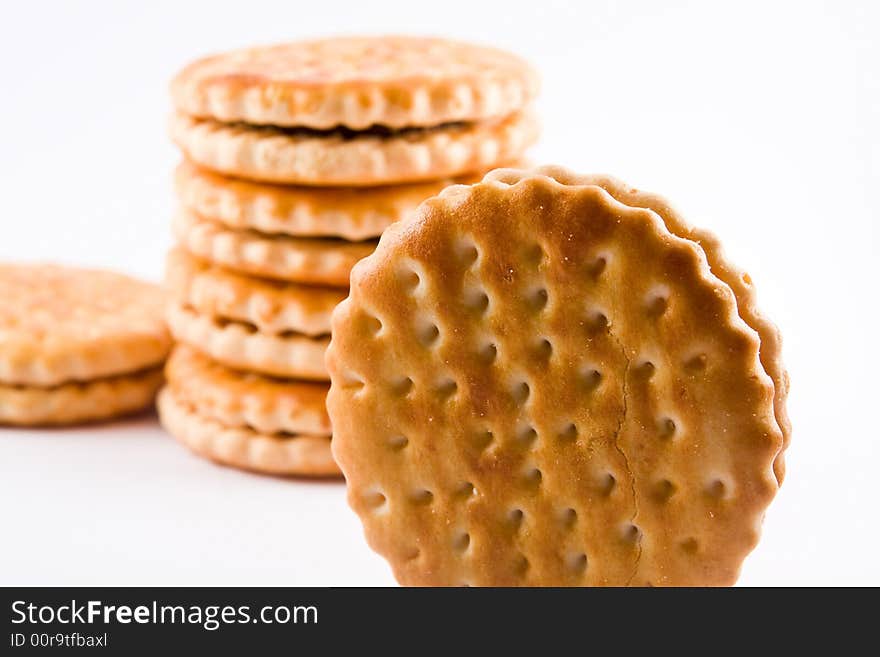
(297, 157)
(77, 345)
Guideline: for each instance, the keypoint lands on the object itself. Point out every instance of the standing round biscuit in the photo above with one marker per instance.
(62, 324)
(535, 382)
(357, 82)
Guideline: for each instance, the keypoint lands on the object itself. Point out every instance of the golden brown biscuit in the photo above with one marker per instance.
(80, 401)
(272, 306)
(60, 324)
(537, 383)
(243, 448)
(296, 259)
(244, 399)
(358, 82)
(353, 214)
(241, 346)
(336, 158)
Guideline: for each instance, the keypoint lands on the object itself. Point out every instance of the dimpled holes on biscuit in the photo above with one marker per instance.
(465, 491)
(532, 477)
(445, 389)
(398, 443)
(663, 490)
(569, 433)
(352, 381)
(630, 533)
(657, 301)
(567, 518)
(421, 497)
(520, 391)
(597, 266)
(533, 255)
(515, 518)
(590, 378)
(576, 563)
(526, 436)
(644, 369)
(666, 428)
(461, 541)
(410, 278)
(467, 253)
(542, 350)
(716, 489)
(375, 500)
(696, 363)
(537, 298)
(487, 353)
(368, 324)
(597, 322)
(427, 332)
(401, 386)
(606, 483)
(482, 439)
(476, 300)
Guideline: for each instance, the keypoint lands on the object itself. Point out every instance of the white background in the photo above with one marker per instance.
(759, 120)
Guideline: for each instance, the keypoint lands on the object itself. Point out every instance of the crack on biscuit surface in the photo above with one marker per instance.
(616, 441)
